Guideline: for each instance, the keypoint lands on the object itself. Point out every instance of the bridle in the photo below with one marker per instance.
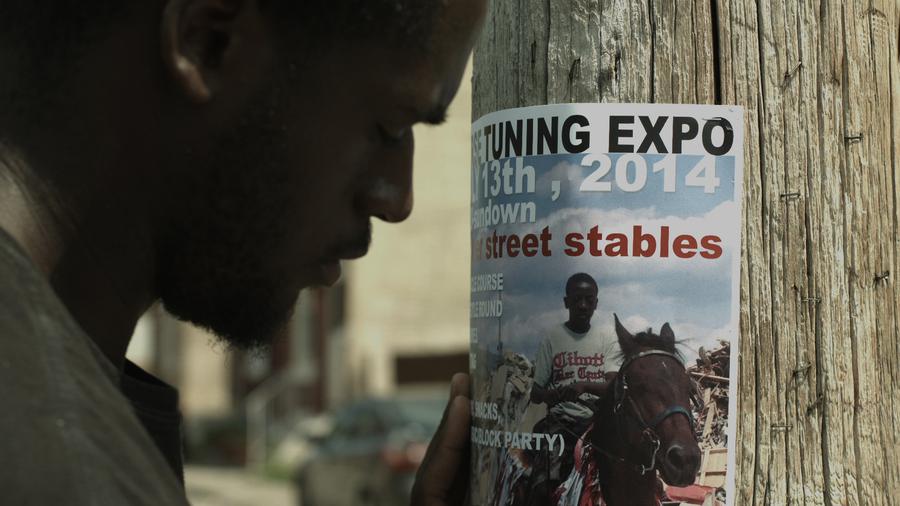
(622, 401)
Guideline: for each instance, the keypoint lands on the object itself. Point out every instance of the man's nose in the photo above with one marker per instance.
(388, 195)
(389, 200)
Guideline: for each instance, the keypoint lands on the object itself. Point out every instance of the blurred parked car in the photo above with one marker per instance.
(215, 440)
(301, 442)
(371, 456)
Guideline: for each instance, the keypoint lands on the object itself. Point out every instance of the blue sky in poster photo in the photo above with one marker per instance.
(694, 295)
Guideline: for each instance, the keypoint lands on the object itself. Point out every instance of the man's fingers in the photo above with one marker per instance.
(459, 385)
(440, 475)
(448, 451)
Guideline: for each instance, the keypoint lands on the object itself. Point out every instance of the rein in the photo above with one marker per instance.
(620, 392)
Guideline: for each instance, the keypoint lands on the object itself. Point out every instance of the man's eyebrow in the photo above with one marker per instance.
(434, 116)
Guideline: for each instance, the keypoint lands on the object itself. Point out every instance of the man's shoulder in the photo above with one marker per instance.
(43, 351)
(608, 344)
(67, 434)
(31, 315)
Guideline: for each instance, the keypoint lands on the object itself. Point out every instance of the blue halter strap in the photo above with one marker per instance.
(622, 392)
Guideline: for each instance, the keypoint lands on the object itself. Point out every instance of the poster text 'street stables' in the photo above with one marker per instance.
(819, 403)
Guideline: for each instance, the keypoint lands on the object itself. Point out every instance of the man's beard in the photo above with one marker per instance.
(213, 268)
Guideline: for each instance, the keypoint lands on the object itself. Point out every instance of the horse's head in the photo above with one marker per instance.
(653, 402)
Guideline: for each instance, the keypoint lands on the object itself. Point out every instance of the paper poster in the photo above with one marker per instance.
(604, 304)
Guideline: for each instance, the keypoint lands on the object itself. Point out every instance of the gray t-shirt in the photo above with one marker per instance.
(69, 434)
(567, 357)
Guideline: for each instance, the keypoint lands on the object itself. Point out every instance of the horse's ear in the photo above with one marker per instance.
(626, 340)
(666, 333)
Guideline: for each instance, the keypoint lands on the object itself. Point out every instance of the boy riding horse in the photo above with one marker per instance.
(574, 366)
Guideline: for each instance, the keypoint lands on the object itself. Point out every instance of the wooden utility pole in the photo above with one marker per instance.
(819, 408)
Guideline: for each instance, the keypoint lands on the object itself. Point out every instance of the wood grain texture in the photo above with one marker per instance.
(819, 410)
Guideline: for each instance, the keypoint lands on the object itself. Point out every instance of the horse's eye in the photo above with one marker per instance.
(637, 387)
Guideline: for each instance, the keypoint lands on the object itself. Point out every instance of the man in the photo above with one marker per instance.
(218, 155)
(572, 370)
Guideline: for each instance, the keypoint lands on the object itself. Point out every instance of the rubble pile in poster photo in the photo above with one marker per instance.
(711, 374)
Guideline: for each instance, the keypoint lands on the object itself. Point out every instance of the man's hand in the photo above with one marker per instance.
(585, 387)
(590, 387)
(568, 394)
(443, 478)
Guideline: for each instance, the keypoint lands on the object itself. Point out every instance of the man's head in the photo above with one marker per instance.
(245, 144)
(580, 300)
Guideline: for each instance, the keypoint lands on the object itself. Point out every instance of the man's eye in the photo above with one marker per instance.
(391, 136)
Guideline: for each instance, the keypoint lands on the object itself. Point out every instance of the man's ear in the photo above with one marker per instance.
(198, 39)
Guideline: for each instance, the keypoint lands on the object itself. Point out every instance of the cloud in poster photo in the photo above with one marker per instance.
(692, 294)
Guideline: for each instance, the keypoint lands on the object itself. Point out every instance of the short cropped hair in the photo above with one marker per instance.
(403, 22)
(42, 41)
(579, 278)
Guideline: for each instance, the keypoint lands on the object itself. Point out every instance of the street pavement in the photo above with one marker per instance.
(212, 486)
